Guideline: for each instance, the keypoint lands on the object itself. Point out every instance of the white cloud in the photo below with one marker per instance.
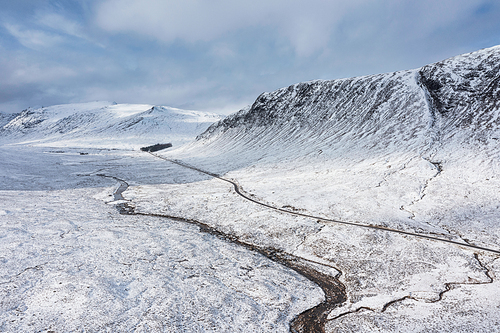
(308, 26)
(34, 73)
(223, 51)
(229, 50)
(60, 24)
(191, 20)
(33, 39)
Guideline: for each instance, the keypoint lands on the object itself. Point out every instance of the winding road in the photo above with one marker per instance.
(239, 191)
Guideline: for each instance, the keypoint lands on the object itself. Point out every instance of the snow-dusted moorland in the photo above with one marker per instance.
(71, 263)
(413, 151)
(103, 125)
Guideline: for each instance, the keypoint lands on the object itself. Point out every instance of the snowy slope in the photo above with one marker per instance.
(370, 148)
(450, 102)
(400, 148)
(104, 124)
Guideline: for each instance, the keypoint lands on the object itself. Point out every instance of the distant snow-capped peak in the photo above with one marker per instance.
(104, 124)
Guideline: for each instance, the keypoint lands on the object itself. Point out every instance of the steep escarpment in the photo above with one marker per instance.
(368, 112)
(464, 93)
(5, 118)
(403, 112)
(458, 84)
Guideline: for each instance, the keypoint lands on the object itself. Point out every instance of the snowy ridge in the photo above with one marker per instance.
(320, 115)
(104, 124)
(6, 118)
(366, 116)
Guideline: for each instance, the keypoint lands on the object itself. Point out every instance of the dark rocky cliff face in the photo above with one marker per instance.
(5, 118)
(319, 104)
(465, 90)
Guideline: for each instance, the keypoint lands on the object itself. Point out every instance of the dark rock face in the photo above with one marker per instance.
(5, 118)
(319, 105)
(465, 90)
(25, 121)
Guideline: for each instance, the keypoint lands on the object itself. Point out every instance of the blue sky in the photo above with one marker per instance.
(219, 55)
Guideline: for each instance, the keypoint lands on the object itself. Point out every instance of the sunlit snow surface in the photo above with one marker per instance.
(104, 125)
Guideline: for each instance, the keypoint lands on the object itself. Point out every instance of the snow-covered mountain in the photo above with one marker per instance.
(416, 150)
(103, 124)
(410, 160)
(410, 149)
(455, 101)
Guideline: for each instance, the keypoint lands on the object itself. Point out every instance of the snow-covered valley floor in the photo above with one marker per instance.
(71, 262)
(393, 282)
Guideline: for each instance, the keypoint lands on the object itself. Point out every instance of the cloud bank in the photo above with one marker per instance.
(219, 55)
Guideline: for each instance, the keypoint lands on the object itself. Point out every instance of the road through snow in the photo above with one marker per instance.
(241, 192)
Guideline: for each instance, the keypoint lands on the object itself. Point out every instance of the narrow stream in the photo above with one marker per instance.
(117, 194)
(310, 321)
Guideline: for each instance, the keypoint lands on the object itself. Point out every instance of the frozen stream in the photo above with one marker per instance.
(69, 262)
